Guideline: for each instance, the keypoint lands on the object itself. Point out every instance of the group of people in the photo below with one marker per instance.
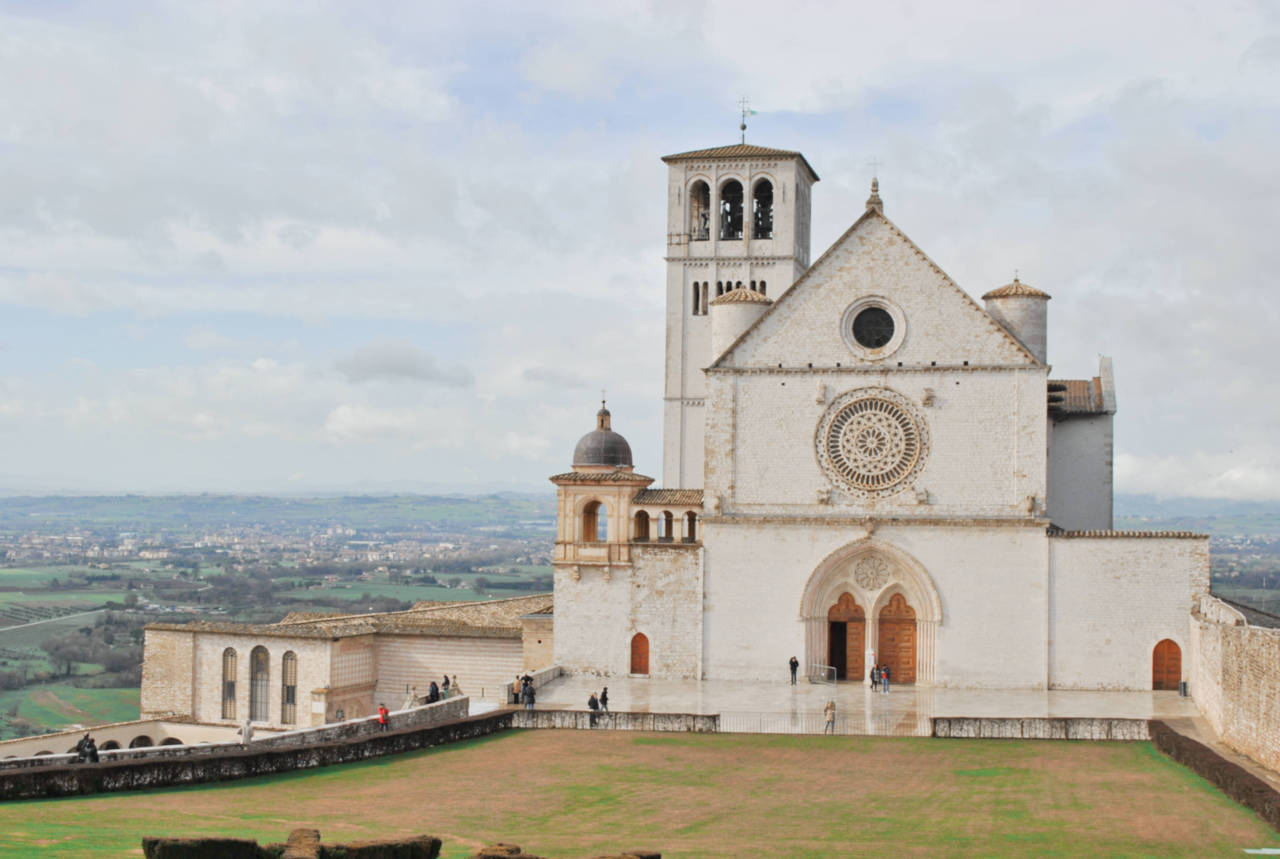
(522, 691)
(880, 677)
(599, 703)
(448, 688)
(86, 750)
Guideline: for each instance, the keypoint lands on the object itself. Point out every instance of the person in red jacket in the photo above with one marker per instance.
(382, 717)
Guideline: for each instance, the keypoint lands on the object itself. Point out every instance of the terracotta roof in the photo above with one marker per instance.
(1017, 288)
(617, 475)
(1076, 397)
(1055, 531)
(739, 150)
(742, 295)
(674, 497)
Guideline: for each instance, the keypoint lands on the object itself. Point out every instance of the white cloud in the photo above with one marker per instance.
(399, 361)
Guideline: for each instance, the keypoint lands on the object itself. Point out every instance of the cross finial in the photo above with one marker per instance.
(1015, 275)
(745, 106)
(602, 398)
(874, 164)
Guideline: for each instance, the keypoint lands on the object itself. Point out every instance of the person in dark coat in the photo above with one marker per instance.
(528, 696)
(795, 666)
(433, 693)
(604, 699)
(593, 703)
(875, 678)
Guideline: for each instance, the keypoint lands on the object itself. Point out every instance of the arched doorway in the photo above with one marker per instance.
(1166, 666)
(846, 637)
(897, 638)
(639, 653)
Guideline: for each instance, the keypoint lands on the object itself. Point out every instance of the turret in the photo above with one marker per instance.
(1023, 311)
(732, 314)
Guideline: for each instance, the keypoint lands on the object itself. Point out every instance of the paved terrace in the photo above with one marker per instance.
(778, 707)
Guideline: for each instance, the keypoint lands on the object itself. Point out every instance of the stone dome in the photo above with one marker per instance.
(602, 446)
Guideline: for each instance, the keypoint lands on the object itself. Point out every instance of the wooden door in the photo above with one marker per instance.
(898, 639)
(1166, 666)
(639, 654)
(847, 627)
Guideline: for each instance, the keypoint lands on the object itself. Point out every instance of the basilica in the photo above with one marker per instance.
(862, 465)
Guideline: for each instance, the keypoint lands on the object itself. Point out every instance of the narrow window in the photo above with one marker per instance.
(289, 689)
(719, 288)
(229, 683)
(705, 309)
(642, 527)
(753, 286)
(595, 523)
(700, 212)
(738, 285)
(697, 295)
(668, 522)
(731, 210)
(259, 677)
(762, 210)
(762, 287)
(691, 527)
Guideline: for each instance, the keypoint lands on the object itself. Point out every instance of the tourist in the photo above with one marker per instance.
(382, 717)
(528, 696)
(433, 693)
(456, 687)
(795, 666)
(604, 699)
(884, 679)
(516, 687)
(445, 686)
(86, 750)
(829, 713)
(875, 678)
(593, 703)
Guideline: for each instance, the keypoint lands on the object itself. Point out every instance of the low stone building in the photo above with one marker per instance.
(309, 669)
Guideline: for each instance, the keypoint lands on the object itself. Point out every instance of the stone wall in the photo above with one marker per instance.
(537, 641)
(1235, 680)
(1080, 469)
(1040, 728)
(483, 665)
(1113, 599)
(621, 721)
(153, 772)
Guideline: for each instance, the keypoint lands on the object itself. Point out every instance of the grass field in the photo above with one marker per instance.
(58, 705)
(577, 794)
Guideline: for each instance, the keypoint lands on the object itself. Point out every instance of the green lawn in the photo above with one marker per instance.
(578, 794)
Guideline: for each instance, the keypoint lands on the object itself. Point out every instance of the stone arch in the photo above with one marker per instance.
(110, 745)
(171, 741)
(888, 570)
(640, 533)
(640, 654)
(142, 741)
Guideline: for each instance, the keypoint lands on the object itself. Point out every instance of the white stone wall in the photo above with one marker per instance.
(313, 673)
(1236, 683)
(1114, 599)
(482, 664)
(991, 583)
(168, 673)
(986, 452)
(1080, 473)
(659, 595)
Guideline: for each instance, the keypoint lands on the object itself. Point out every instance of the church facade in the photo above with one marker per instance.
(864, 466)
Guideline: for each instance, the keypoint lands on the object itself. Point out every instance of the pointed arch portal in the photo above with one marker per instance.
(898, 625)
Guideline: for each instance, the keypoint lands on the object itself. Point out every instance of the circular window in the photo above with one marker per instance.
(871, 442)
(873, 327)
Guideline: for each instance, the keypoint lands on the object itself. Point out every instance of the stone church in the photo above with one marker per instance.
(863, 465)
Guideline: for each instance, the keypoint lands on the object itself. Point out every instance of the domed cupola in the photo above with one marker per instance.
(602, 447)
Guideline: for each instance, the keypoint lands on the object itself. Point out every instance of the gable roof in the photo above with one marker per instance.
(739, 150)
(869, 214)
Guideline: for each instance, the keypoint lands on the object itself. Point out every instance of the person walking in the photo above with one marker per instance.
(884, 680)
(875, 678)
(829, 714)
(528, 696)
(795, 666)
(383, 724)
(604, 699)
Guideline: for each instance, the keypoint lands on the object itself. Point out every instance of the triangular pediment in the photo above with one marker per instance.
(939, 323)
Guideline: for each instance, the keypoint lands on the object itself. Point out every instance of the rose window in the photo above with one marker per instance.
(871, 442)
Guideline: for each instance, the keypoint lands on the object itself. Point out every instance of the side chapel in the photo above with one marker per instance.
(863, 465)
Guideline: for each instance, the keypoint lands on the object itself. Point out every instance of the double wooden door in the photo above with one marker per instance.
(898, 640)
(846, 637)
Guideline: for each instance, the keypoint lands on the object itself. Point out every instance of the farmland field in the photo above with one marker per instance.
(578, 794)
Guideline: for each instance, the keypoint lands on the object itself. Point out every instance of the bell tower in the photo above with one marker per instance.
(737, 218)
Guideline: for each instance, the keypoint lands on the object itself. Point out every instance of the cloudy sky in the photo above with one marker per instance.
(298, 247)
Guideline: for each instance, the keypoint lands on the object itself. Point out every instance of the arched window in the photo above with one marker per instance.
(705, 308)
(691, 527)
(641, 527)
(762, 210)
(289, 688)
(697, 299)
(738, 285)
(595, 522)
(259, 677)
(731, 210)
(171, 741)
(762, 287)
(753, 286)
(141, 741)
(668, 522)
(719, 288)
(699, 211)
(229, 683)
